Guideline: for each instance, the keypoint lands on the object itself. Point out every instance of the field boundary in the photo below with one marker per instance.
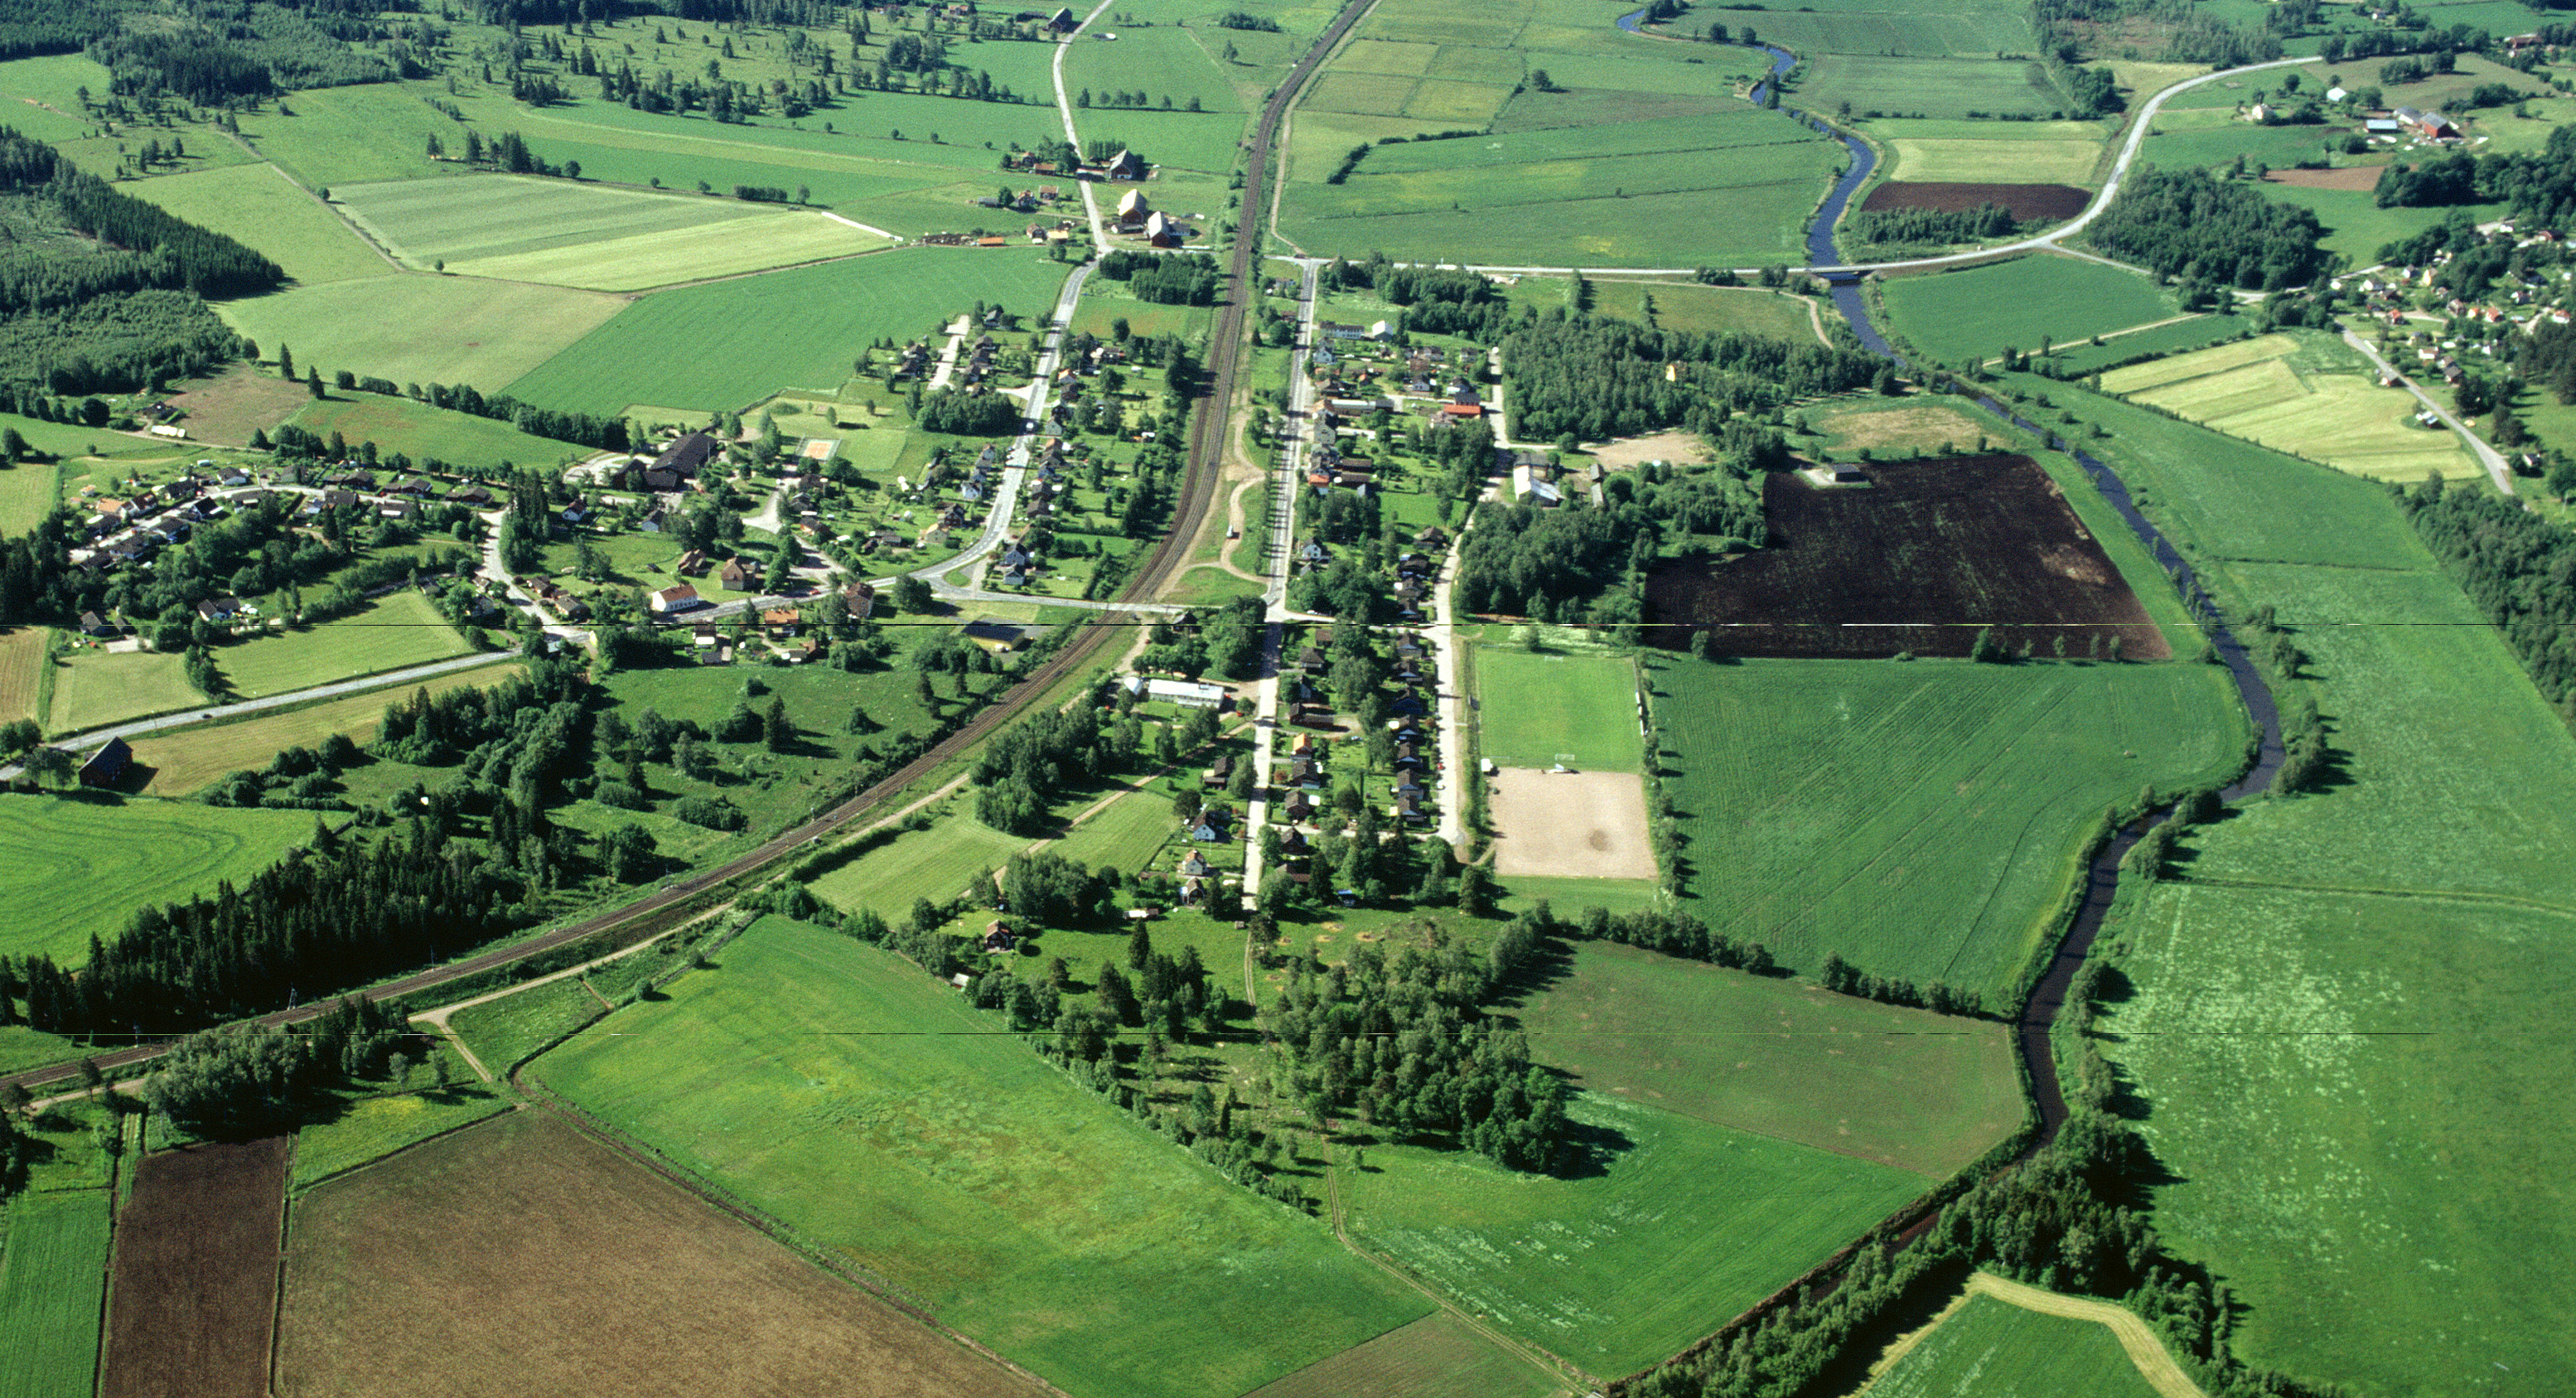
(2155, 1364)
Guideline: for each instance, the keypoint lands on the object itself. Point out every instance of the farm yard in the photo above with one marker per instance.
(632, 1284)
(120, 858)
(1925, 820)
(195, 1283)
(2304, 393)
(1982, 310)
(1925, 559)
(927, 1173)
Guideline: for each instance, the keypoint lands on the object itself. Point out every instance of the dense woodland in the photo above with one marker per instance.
(1984, 223)
(1188, 279)
(1598, 378)
(2190, 225)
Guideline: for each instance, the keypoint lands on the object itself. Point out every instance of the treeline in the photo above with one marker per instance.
(1403, 1042)
(1843, 978)
(2517, 566)
(167, 251)
(2441, 43)
(1673, 933)
(2538, 186)
(1237, 19)
(955, 411)
(1436, 300)
(254, 1079)
(1170, 279)
(2190, 225)
(231, 53)
(1984, 223)
(2188, 33)
(1596, 379)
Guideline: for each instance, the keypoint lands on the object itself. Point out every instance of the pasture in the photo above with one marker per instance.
(1981, 310)
(797, 328)
(1915, 28)
(937, 864)
(245, 399)
(195, 1285)
(1907, 1089)
(93, 688)
(2195, 332)
(1904, 425)
(1539, 709)
(1434, 1357)
(371, 1128)
(401, 629)
(2355, 224)
(1922, 820)
(81, 867)
(44, 94)
(2300, 392)
(1950, 88)
(1990, 1348)
(709, 1307)
(567, 233)
(487, 333)
(22, 673)
(1996, 158)
(462, 440)
(53, 1280)
(961, 1168)
(187, 758)
(1687, 306)
(1677, 1225)
(255, 205)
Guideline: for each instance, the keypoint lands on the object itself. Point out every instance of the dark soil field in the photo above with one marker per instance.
(1919, 560)
(2026, 201)
(604, 1277)
(195, 1280)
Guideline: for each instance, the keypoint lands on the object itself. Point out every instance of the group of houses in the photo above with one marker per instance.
(1137, 218)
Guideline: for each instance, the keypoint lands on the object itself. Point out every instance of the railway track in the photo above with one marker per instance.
(689, 896)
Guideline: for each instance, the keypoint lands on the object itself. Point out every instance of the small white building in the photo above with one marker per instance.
(1186, 693)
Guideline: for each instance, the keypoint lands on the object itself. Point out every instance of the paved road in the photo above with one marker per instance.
(2487, 456)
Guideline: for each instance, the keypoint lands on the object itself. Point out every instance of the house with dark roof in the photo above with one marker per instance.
(107, 764)
(685, 458)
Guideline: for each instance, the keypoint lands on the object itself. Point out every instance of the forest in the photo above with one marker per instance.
(1596, 379)
(1984, 223)
(1189, 279)
(2190, 225)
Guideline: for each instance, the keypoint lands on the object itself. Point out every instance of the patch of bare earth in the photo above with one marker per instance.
(195, 1281)
(2352, 177)
(1585, 825)
(1680, 448)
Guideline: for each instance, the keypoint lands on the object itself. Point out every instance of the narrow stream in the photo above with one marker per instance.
(2102, 877)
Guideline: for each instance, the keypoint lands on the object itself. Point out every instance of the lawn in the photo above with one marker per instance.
(936, 864)
(2302, 392)
(1932, 87)
(486, 333)
(93, 689)
(53, 1282)
(522, 228)
(1907, 1089)
(709, 1308)
(187, 758)
(254, 204)
(1982, 310)
(1677, 1227)
(1994, 1349)
(1538, 710)
(1922, 820)
(371, 1128)
(2343, 1013)
(1126, 833)
(401, 629)
(965, 1170)
(462, 440)
(797, 328)
(81, 868)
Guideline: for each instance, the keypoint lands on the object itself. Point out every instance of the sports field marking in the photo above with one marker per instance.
(2155, 1365)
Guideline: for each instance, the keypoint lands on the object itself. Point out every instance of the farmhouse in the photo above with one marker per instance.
(676, 599)
(107, 764)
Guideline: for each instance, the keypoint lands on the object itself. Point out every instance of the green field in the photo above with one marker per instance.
(417, 430)
(797, 328)
(2195, 333)
(2358, 228)
(53, 1278)
(1994, 1349)
(1537, 710)
(935, 864)
(487, 333)
(1684, 306)
(2342, 1019)
(522, 228)
(1980, 311)
(93, 689)
(1951, 88)
(2303, 392)
(402, 629)
(1434, 1357)
(254, 204)
(1997, 159)
(187, 758)
(1923, 28)
(1922, 820)
(964, 1169)
(373, 1127)
(1908, 1089)
(45, 94)
(79, 868)
(1682, 1225)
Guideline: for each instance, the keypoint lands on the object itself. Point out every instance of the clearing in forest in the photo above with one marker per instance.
(613, 1280)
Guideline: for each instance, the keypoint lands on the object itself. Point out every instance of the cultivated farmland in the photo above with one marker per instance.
(1908, 1089)
(626, 1284)
(462, 440)
(798, 328)
(2303, 393)
(1921, 28)
(2062, 153)
(965, 1170)
(487, 333)
(2026, 201)
(187, 758)
(1994, 1349)
(1980, 311)
(53, 1276)
(401, 629)
(196, 1273)
(1680, 1225)
(1685, 306)
(519, 228)
(1926, 558)
(1922, 820)
(22, 672)
(371, 1128)
(78, 867)
(1540, 709)
(93, 688)
(1932, 87)
(1434, 1357)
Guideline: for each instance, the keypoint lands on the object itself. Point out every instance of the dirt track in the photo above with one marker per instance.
(1585, 825)
(2155, 1364)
